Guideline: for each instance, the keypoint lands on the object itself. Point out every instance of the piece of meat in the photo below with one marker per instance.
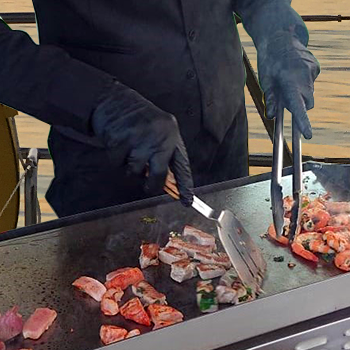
(243, 294)
(228, 278)
(199, 236)
(90, 286)
(123, 278)
(133, 310)
(109, 302)
(11, 324)
(133, 333)
(169, 255)
(2, 345)
(206, 297)
(209, 271)
(226, 295)
(114, 293)
(189, 248)
(183, 270)
(149, 255)
(115, 273)
(164, 315)
(148, 294)
(214, 258)
(110, 334)
(38, 323)
(109, 306)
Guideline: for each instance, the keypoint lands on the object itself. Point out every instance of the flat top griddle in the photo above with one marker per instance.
(36, 270)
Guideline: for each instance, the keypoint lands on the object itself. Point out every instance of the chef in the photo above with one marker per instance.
(133, 87)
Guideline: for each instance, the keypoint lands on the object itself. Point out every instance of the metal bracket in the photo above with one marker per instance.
(31, 188)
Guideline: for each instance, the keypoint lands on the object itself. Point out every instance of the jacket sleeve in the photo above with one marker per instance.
(264, 19)
(45, 82)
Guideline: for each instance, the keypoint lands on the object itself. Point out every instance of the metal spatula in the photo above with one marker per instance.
(243, 252)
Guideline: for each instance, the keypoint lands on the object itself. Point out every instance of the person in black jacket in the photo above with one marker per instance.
(128, 86)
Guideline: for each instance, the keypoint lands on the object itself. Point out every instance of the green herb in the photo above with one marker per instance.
(249, 291)
(306, 244)
(278, 258)
(328, 257)
(148, 220)
(244, 298)
(305, 204)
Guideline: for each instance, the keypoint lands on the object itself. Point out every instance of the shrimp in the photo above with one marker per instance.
(314, 219)
(298, 249)
(342, 260)
(288, 204)
(306, 243)
(339, 241)
(284, 238)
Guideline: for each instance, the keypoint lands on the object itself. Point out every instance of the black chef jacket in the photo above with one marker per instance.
(183, 55)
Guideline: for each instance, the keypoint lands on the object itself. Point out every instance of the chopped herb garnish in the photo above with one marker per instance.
(306, 244)
(278, 258)
(249, 291)
(328, 257)
(244, 298)
(148, 220)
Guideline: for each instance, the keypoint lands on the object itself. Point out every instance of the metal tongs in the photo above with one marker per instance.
(276, 180)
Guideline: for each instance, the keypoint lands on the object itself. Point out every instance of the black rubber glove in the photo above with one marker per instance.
(287, 71)
(138, 134)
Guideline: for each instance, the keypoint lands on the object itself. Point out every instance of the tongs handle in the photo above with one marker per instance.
(277, 166)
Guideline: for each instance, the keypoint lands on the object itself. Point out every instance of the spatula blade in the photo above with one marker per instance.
(243, 252)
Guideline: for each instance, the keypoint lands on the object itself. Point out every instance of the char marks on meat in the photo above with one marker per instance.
(214, 258)
(169, 255)
(183, 270)
(149, 255)
(189, 248)
(209, 271)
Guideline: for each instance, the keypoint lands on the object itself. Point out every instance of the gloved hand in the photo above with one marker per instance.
(138, 134)
(287, 71)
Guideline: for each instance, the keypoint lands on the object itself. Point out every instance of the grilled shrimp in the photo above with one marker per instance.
(339, 241)
(342, 260)
(306, 243)
(314, 219)
(282, 239)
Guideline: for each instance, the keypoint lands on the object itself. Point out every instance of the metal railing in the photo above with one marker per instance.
(29, 17)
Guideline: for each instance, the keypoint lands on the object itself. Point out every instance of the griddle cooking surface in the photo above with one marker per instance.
(37, 270)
